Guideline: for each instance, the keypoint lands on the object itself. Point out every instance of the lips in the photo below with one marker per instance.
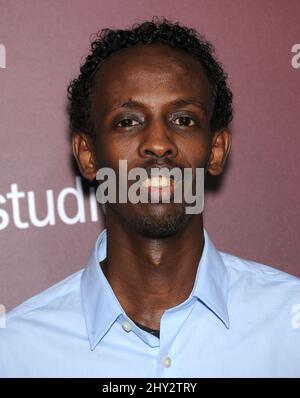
(160, 189)
(158, 182)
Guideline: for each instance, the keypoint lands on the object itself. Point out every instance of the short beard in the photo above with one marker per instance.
(158, 227)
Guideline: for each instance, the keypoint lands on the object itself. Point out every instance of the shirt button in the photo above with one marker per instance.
(167, 362)
(126, 326)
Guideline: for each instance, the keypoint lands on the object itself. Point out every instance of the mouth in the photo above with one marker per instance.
(158, 182)
(160, 189)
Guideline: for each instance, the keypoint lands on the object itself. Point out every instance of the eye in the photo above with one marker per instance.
(127, 123)
(184, 121)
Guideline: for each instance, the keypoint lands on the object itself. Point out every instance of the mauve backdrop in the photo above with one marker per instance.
(254, 214)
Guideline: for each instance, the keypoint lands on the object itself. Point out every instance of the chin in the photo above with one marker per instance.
(159, 221)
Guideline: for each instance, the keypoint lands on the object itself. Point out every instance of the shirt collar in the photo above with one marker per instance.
(101, 307)
(211, 283)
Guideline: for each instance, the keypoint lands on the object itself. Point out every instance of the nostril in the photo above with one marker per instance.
(148, 152)
(157, 153)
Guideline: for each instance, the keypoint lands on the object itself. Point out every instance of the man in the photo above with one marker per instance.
(156, 299)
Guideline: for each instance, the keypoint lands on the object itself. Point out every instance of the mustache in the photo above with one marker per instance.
(164, 164)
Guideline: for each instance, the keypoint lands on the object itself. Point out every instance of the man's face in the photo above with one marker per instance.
(152, 106)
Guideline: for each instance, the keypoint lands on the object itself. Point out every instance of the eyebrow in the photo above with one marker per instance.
(130, 104)
(189, 101)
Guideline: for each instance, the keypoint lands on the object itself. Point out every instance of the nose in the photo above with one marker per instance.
(157, 143)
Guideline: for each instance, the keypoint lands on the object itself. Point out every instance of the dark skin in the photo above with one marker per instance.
(140, 115)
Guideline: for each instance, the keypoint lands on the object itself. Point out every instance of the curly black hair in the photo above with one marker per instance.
(157, 30)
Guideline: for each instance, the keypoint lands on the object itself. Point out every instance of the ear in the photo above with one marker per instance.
(84, 155)
(221, 143)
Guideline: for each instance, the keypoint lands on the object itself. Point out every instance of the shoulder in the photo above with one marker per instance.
(261, 281)
(55, 296)
(39, 327)
(252, 269)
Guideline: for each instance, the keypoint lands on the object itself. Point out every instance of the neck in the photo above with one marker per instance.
(149, 276)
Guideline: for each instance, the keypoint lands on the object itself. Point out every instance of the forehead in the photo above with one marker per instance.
(155, 73)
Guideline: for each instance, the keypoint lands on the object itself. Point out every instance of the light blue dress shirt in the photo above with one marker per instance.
(241, 320)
